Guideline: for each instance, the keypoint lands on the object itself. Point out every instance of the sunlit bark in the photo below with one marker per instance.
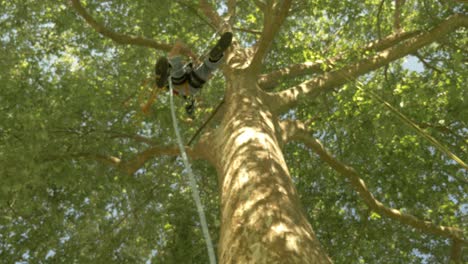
(262, 219)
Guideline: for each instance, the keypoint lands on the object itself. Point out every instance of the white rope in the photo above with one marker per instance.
(192, 182)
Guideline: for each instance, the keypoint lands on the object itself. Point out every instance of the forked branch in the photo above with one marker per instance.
(295, 131)
(286, 99)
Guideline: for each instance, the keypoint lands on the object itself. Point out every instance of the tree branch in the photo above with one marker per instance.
(209, 12)
(137, 138)
(232, 4)
(113, 134)
(108, 160)
(268, 81)
(298, 132)
(274, 16)
(286, 99)
(194, 10)
(131, 166)
(261, 5)
(397, 15)
(116, 37)
(456, 252)
(427, 64)
(202, 150)
(251, 31)
(379, 20)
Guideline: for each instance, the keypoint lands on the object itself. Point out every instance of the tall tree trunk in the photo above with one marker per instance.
(262, 218)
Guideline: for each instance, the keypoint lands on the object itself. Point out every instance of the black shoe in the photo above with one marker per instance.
(223, 43)
(161, 69)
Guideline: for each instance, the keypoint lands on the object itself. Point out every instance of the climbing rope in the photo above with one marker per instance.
(192, 182)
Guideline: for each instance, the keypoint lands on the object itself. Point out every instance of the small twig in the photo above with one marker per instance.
(427, 64)
(379, 34)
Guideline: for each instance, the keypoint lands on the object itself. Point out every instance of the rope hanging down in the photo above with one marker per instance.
(192, 182)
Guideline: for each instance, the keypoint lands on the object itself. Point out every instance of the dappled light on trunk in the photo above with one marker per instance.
(262, 219)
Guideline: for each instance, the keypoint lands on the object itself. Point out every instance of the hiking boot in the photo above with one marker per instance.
(218, 50)
(161, 69)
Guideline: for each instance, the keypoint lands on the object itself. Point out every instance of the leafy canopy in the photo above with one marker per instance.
(69, 95)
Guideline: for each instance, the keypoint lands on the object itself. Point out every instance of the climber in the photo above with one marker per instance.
(186, 79)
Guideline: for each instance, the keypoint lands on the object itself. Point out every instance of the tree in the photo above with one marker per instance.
(87, 177)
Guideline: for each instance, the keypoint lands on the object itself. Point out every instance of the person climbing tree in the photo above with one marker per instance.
(187, 80)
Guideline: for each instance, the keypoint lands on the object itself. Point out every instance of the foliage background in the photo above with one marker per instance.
(67, 94)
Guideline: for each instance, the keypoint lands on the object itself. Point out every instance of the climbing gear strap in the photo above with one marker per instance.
(195, 81)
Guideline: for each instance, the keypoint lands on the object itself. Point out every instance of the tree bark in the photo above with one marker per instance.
(262, 218)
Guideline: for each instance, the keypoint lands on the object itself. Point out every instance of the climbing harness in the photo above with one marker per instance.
(192, 182)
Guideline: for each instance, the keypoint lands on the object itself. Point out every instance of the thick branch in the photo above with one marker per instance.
(274, 16)
(268, 81)
(296, 131)
(288, 98)
(118, 38)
